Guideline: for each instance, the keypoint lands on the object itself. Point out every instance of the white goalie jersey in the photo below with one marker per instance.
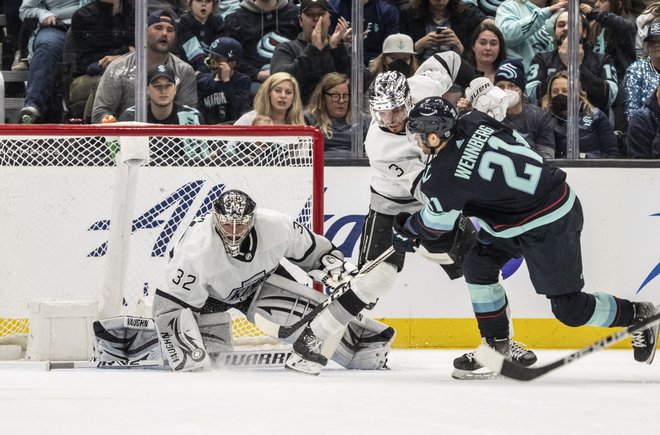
(200, 267)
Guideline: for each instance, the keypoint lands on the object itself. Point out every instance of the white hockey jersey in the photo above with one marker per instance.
(200, 267)
(395, 164)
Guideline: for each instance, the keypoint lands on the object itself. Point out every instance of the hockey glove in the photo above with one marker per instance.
(403, 238)
(336, 270)
(487, 98)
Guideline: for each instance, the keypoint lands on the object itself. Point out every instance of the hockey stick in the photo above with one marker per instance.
(280, 331)
(498, 363)
(237, 359)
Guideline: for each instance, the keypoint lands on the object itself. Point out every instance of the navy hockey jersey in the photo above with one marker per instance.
(488, 171)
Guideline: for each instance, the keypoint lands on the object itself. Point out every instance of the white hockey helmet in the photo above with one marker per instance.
(390, 101)
(233, 216)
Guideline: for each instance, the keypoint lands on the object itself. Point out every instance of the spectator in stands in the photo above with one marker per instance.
(596, 136)
(597, 71)
(15, 44)
(522, 23)
(488, 7)
(644, 21)
(643, 76)
(116, 90)
(398, 54)
(314, 53)
(223, 93)
(612, 31)
(380, 19)
(54, 19)
(533, 123)
(329, 109)
(438, 26)
(196, 30)
(260, 25)
(488, 49)
(644, 130)
(279, 99)
(226, 7)
(102, 32)
(162, 109)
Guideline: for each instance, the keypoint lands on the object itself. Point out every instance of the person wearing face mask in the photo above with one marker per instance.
(596, 136)
(398, 55)
(598, 74)
(533, 123)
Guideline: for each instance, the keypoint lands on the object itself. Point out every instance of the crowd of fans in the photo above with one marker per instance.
(288, 62)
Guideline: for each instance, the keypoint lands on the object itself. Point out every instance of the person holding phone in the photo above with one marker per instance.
(440, 25)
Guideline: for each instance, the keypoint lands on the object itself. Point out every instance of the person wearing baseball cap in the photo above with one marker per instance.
(161, 91)
(533, 123)
(116, 89)
(224, 93)
(398, 55)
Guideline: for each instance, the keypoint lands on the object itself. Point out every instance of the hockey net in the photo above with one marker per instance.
(60, 183)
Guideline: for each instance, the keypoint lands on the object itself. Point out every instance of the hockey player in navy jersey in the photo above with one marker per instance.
(396, 164)
(482, 168)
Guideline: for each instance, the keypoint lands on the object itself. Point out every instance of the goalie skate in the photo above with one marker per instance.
(307, 357)
(467, 368)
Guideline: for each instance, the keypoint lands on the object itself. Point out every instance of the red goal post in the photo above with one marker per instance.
(63, 189)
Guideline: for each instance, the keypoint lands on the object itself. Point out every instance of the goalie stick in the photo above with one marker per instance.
(281, 331)
(498, 363)
(237, 359)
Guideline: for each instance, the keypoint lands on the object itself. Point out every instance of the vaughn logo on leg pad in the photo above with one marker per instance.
(181, 340)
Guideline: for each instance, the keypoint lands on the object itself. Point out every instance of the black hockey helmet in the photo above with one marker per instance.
(233, 216)
(433, 116)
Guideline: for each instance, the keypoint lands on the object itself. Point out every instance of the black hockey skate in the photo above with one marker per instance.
(306, 357)
(466, 367)
(644, 342)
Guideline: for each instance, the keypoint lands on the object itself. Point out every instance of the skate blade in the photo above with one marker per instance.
(300, 365)
(480, 374)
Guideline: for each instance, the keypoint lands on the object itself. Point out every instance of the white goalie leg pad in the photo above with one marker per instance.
(126, 338)
(215, 329)
(283, 302)
(365, 345)
(181, 340)
(375, 284)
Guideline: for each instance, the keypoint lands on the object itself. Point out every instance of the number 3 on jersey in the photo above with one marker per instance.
(492, 159)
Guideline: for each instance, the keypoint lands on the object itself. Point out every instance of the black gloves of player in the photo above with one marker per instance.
(403, 240)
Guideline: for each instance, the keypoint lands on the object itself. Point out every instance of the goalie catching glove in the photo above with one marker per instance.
(487, 98)
(336, 271)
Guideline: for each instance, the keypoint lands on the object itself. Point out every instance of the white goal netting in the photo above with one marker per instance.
(60, 182)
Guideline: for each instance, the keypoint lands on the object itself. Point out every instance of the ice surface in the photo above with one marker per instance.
(604, 393)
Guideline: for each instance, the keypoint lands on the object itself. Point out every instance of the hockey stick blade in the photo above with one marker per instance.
(498, 363)
(280, 331)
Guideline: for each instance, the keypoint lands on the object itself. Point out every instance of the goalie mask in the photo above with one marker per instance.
(233, 216)
(434, 120)
(390, 101)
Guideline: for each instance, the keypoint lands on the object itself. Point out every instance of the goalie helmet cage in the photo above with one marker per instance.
(61, 185)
